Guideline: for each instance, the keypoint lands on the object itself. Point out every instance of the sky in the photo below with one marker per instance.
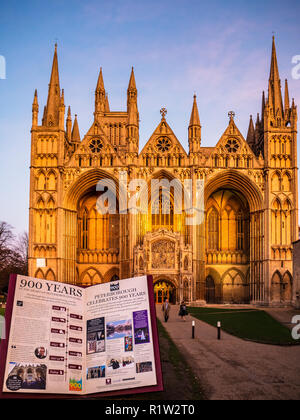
(219, 50)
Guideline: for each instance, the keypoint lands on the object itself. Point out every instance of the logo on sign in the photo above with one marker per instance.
(114, 287)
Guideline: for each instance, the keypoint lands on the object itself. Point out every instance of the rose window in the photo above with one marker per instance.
(232, 146)
(96, 146)
(163, 144)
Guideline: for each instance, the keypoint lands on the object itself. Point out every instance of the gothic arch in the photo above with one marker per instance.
(50, 275)
(212, 228)
(39, 274)
(40, 204)
(287, 205)
(276, 203)
(276, 286)
(276, 181)
(231, 179)
(87, 182)
(110, 274)
(234, 286)
(51, 203)
(287, 287)
(41, 181)
(51, 180)
(90, 277)
(169, 279)
(286, 182)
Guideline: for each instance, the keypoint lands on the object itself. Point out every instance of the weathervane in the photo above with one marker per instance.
(163, 112)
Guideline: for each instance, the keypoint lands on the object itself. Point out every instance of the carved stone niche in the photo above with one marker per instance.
(163, 254)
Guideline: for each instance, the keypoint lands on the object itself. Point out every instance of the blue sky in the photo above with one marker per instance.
(219, 50)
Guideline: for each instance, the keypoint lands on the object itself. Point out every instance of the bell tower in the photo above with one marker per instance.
(279, 126)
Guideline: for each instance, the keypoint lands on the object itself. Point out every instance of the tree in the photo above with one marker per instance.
(13, 254)
(6, 237)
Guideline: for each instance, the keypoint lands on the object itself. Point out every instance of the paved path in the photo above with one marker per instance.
(233, 368)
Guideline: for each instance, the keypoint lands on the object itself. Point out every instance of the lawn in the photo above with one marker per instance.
(254, 325)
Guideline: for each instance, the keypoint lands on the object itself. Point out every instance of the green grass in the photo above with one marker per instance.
(254, 325)
(2, 311)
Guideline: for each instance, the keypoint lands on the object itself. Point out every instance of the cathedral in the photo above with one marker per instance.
(241, 252)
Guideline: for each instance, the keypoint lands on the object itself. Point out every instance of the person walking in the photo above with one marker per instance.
(183, 310)
(166, 307)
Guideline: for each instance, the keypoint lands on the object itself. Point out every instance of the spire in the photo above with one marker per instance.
(286, 97)
(132, 92)
(263, 105)
(44, 116)
(133, 115)
(75, 131)
(100, 83)
(251, 133)
(53, 102)
(69, 124)
(275, 97)
(107, 108)
(35, 109)
(100, 95)
(132, 84)
(195, 120)
(194, 129)
(274, 73)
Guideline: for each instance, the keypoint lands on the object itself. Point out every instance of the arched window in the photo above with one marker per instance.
(240, 231)
(97, 231)
(275, 182)
(286, 182)
(213, 230)
(41, 182)
(51, 181)
(163, 212)
(84, 231)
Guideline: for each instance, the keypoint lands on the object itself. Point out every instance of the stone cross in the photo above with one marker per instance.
(163, 112)
(231, 115)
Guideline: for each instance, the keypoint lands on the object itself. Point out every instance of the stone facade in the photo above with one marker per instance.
(241, 253)
(296, 269)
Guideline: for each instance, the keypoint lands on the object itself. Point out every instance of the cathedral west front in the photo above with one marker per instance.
(241, 251)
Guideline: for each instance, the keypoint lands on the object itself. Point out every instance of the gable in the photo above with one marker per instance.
(232, 150)
(95, 150)
(163, 142)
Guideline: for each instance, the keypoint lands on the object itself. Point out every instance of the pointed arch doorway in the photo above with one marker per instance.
(164, 289)
(210, 290)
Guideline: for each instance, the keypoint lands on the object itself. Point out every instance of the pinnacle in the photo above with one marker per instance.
(195, 120)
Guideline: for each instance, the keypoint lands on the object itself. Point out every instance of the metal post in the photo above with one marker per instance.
(219, 330)
(193, 329)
